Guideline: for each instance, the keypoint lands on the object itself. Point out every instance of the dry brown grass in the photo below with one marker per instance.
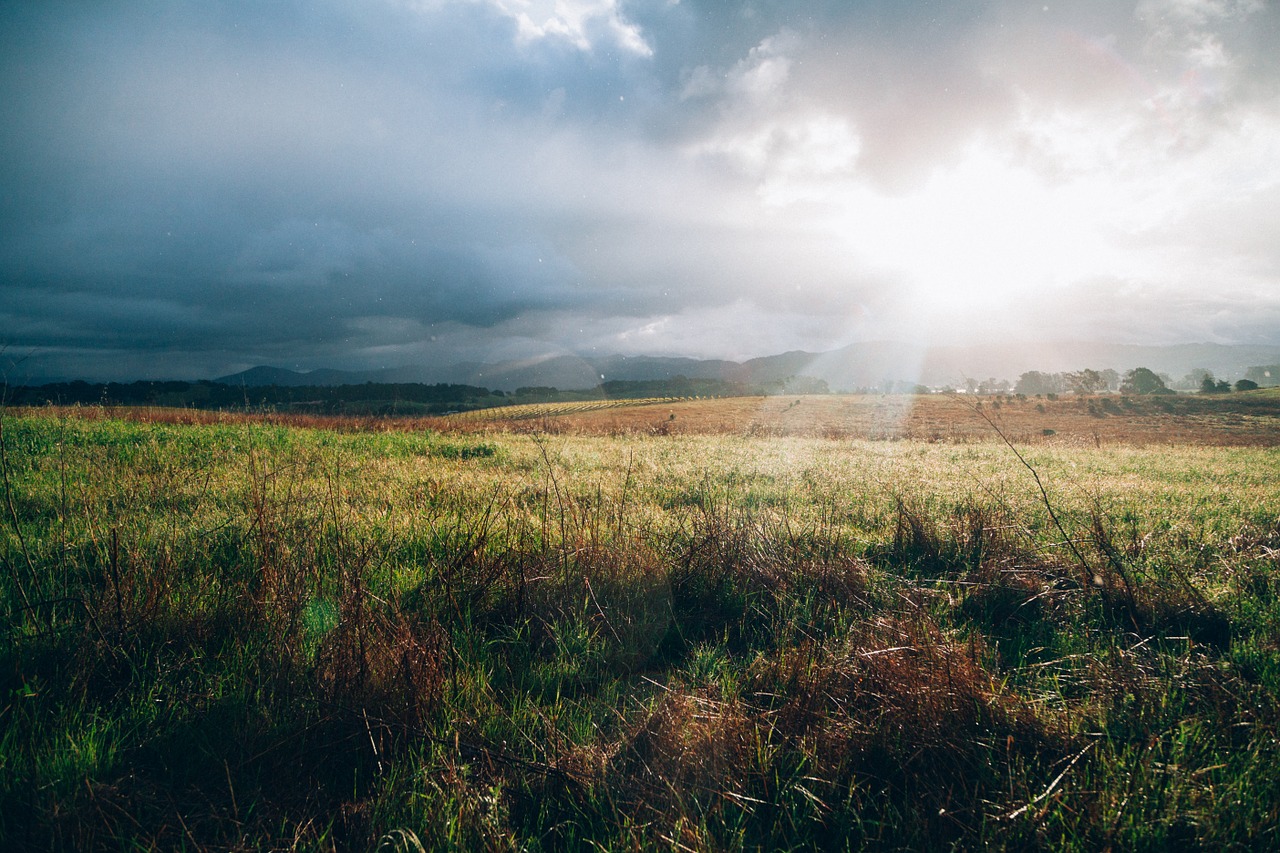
(899, 711)
(1234, 420)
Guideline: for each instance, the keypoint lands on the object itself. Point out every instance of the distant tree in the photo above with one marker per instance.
(1034, 382)
(1246, 385)
(805, 385)
(1222, 386)
(1111, 378)
(1196, 379)
(1142, 380)
(1085, 381)
(992, 385)
(1208, 385)
(536, 391)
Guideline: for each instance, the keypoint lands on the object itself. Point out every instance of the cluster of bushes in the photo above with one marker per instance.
(1209, 385)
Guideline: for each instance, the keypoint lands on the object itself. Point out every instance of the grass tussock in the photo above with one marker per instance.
(896, 719)
(242, 636)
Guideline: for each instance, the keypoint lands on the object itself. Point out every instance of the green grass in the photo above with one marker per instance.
(241, 636)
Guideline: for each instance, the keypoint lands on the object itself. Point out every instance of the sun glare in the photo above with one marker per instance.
(980, 232)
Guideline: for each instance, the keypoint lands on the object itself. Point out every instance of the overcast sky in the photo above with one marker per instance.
(190, 188)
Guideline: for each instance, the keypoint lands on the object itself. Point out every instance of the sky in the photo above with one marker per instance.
(193, 188)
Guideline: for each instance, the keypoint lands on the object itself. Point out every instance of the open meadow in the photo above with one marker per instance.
(764, 623)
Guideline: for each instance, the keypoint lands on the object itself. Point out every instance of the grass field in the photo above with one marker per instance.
(753, 625)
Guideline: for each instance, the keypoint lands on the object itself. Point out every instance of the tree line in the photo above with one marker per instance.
(374, 398)
(364, 399)
(1140, 380)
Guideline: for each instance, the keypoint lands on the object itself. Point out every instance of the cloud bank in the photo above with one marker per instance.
(193, 188)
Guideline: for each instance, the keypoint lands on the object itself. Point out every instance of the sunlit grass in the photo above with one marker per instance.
(532, 411)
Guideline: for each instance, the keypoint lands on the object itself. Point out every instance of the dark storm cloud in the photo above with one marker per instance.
(207, 177)
(352, 183)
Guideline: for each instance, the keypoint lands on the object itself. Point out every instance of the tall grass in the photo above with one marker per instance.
(247, 636)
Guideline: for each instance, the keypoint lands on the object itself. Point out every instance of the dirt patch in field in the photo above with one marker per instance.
(1236, 420)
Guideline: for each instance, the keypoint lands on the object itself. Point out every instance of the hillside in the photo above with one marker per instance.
(861, 365)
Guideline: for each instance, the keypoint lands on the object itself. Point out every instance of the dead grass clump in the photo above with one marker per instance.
(745, 573)
(903, 705)
(690, 753)
(1009, 600)
(384, 667)
(1010, 592)
(977, 540)
(899, 720)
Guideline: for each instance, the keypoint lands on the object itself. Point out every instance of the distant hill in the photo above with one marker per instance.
(861, 365)
(262, 377)
(870, 364)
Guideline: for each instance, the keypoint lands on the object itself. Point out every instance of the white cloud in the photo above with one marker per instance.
(578, 22)
(767, 132)
(763, 74)
(700, 82)
(1190, 33)
(718, 331)
(1196, 12)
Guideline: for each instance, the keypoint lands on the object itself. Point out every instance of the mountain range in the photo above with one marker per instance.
(859, 365)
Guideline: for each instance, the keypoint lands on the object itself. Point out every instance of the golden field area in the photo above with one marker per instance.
(1238, 419)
